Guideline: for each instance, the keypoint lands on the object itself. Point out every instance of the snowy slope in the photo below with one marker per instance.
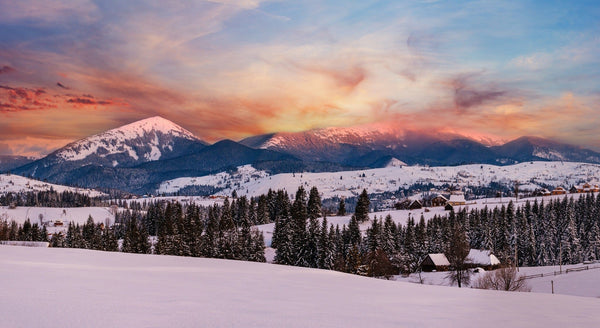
(15, 183)
(580, 283)
(77, 288)
(248, 181)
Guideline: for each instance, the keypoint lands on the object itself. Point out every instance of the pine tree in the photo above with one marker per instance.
(362, 207)
(342, 208)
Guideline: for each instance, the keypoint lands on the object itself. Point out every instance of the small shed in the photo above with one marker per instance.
(435, 262)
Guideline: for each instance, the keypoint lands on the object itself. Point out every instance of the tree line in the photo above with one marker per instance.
(534, 234)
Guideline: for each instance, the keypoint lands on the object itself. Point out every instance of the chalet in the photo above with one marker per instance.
(439, 200)
(559, 191)
(482, 258)
(457, 199)
(435, 262)
(415, 205)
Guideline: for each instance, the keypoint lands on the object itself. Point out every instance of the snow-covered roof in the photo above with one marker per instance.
(482, 257)
(439, 259)
(457, 198)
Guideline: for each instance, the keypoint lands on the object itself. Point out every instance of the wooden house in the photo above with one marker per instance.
(415, 205)
(439, 200)
(559, 191)
(435, 262)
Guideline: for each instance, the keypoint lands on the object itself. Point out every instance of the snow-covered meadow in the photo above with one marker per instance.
(16, 183)
(578, 283)
(249, 181)
(49, 287)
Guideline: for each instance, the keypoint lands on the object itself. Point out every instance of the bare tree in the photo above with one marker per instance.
(503, 279)
(457, 252)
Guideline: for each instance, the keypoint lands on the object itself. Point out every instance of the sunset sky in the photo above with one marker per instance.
(230, 69)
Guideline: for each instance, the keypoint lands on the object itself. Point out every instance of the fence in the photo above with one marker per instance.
(556, 273)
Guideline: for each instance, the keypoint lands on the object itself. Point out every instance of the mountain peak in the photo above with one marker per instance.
(154, 123)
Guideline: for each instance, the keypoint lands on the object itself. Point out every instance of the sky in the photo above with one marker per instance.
(232, 69)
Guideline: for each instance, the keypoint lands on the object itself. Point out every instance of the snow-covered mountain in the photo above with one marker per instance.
(375, 147)
(533, 148)
(147, 140)
(143, 141)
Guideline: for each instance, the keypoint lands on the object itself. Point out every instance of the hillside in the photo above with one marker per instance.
(100, 289)
(252, 182)
(15, 183)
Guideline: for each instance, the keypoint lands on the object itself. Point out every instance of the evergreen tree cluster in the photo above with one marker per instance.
(218, 232)
(50, 198)
(536, 234)
(24, 232)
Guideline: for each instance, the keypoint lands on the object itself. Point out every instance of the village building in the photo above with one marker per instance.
(584, 188)
(439, 200)
(435, 262)
(559, 191)
(415, 205)
(457, 199)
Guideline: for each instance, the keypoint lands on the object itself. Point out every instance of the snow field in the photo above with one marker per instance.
(75, 288)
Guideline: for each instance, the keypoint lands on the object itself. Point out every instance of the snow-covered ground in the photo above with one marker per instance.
(252, 182)
(16, 183)
(46, 287)
(49, 215)
(581, 283)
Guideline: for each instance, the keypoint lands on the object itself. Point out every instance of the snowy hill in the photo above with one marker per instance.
(15, 183)
(252, 182)
(101, 289)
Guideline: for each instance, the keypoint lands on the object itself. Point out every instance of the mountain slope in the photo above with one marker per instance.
(9, 162)
(534, 148)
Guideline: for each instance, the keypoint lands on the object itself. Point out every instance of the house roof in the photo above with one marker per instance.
(482, 257)
(439, 259)
(457, 198)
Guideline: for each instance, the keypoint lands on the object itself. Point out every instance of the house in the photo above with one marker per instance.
(482, 258)
(457, 199)
(415, 205)
(559, 191)
(435, 262)
(542, 192)
(439, 200)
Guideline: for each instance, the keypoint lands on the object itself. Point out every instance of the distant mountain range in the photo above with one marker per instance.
(139, 156)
